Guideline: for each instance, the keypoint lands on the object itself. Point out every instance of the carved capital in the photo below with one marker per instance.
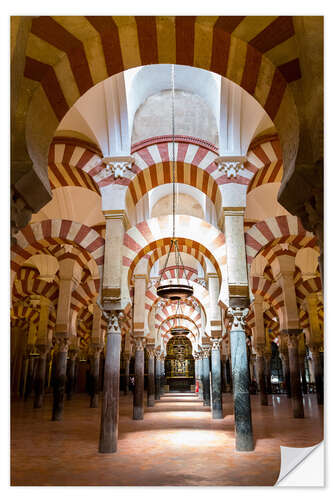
(96, 349)
(216, 344)
(260, 350)
(117, 166)
(61, 343)
(43, 349)
(292, 341)
(138, 344)
(238, 315)
(205, 351)
(230, 165)
(114, 323)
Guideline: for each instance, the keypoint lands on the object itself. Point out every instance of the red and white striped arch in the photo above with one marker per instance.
(193, 165)
(282, 229)
(162, 251)
(35, 238)
(171, 310)
(264, 160)
(191, 231)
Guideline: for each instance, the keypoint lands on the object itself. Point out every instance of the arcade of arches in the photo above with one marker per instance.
(91, 218)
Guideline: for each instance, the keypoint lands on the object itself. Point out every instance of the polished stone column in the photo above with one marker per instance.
(217, 412)
(286, 372)
(206, 376)
(110, 404)
(295, 383)
(40, 375)
(157, 375)
(94, 374)
(224, 373)
(242, 403)
(301, 360)
(59, 377)
(127, 359)
(200, 394)
(138, 410)
(151, 376)
(268, 374)
(261, 375)
(29, 375)
(71, 362)
(162, 383)
(318, 372)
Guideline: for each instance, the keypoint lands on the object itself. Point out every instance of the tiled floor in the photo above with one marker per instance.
(177, 443)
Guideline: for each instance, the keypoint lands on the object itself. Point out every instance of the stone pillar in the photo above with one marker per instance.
(283, 348)
(127, 359)
(157, 375)
(96, 350)
(268, 374)
(71, 368)
(295, 383)
(110, 405)
(200, 371)
(242, 403)
(261, 375)
(40, 375)
(318, 372)
(224, 373)
(138, 408)
(301, 360)
(206, 376)
(61, 350)
(217, 412)
(162, 383)
(151, 376)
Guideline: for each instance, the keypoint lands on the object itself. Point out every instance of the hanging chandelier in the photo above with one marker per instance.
(177, 290)
(177, 329)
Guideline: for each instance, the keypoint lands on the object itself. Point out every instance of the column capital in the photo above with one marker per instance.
(43, 349)
(205, 351)
(260, 350)
(150, 350)
(114, 323)
(96, 349)
(216, 342)
(292, 337)
(61, 343)
(230, 165)
(138, 344)
(238, 315)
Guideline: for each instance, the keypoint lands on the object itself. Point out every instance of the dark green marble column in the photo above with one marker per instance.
(40, 375)
(94, 374)
(157, 375)
(138, 410)
(59, 377)
(108, 438)
(206, 376)
(261, 375)
(286, 372)
(71, 366)
(127, 359)
(151, 377)
(268, 373)
(295, 381)
(217, 412)
(240, 378)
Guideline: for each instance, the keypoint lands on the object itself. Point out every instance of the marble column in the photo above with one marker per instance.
(59, 377)
(138, 408)
(224, 373)
(40, 375)
(261, 375)
(162, 383)
(200, 394)
(110, 404)
(94, 374)
(206, 376)
(242, 403)
(127, 359)
(71, 362)
(268, 373)
(151, 376)
(286, 372)
(301, 360)
(217, 412)
(318, 372)
(29, 375)
(157, 375)
(295, 382)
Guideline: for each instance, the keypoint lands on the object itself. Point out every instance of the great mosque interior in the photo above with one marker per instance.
(166, 248)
